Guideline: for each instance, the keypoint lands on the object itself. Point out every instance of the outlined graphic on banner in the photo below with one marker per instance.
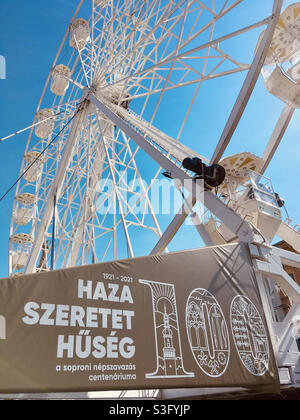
(207, 332)
(2, 328)
(103, 327)
(169, 361)
(249, 335)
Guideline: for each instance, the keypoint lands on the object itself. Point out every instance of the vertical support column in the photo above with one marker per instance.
(267, 310)
(53, 233)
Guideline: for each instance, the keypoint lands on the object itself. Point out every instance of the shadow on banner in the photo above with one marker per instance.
(186, 319)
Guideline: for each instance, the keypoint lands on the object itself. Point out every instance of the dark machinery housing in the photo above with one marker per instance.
(213, 176)
(124, 103)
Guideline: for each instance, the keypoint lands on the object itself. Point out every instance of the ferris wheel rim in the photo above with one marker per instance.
(64, 40)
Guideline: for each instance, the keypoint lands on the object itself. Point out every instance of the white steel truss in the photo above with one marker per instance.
(137, 53)
(91, 176)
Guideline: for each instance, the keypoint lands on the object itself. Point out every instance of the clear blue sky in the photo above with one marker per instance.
(31, 32)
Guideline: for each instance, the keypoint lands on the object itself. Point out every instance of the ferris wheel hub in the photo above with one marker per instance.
(126, 51)
(113, 94)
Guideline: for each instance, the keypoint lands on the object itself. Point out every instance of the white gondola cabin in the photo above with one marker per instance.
(33, 166)
(281, 72)
(60, 79)
(250, 194)
(79, 34)
(45, 120)
(20, 248)
(24, 209)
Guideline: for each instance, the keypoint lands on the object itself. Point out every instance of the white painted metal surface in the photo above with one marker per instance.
(123, 65)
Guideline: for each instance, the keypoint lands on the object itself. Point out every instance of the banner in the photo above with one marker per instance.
(187, 319)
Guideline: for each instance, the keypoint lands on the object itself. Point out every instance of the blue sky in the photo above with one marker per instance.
(30, 35)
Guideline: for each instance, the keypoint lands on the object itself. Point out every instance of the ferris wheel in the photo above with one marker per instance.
(94, 149)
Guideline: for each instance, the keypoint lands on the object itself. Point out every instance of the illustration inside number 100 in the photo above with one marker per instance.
(208, 333)
(167, 333)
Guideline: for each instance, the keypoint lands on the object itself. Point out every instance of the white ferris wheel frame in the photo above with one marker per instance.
(142, 133)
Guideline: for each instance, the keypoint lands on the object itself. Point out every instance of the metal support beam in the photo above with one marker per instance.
(234, 119)
(230, 218)
(287, 257)
(53, 233)
(55, 189)
(261, 284)
(273, 269)
(248, 85)
(202, 230)
(185, 210)
(174, 226)
(277, 135)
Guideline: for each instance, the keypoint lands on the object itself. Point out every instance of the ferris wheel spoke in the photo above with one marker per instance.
(120, 163)
(41, 160)
(125, 34)
(166, 13)
(167, 33)
(95, 19)
(136, 79)
(145, 192)
(124, 157)
(131, 55)
(86, 67)
(57, 112)
(188, 110)
(99, 40)
(117, 195)
(173, 64)
(248, 85)
(127, 186)
(55, 189)
(188, 54)
(86, 199)
(108, 30)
